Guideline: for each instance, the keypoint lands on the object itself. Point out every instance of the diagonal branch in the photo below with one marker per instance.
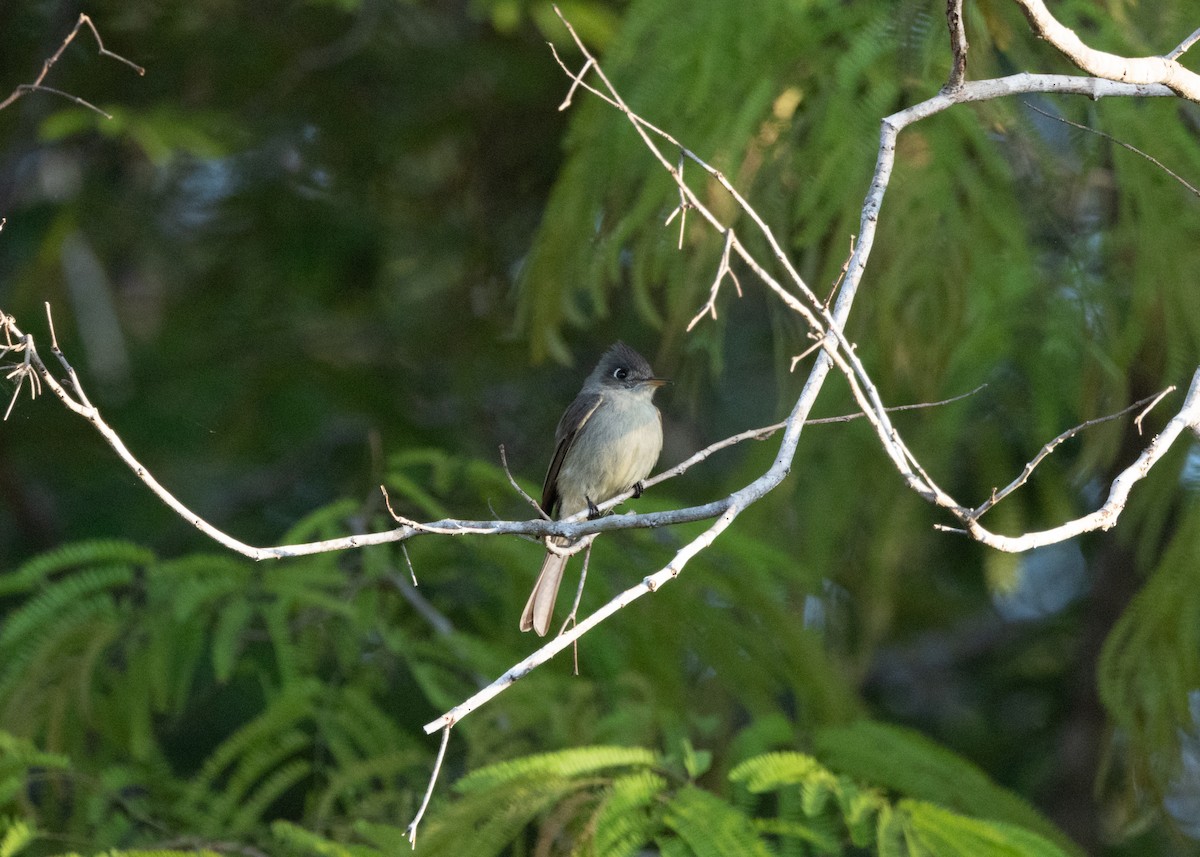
(828, 358)
(1185, 45)
(1122, 143)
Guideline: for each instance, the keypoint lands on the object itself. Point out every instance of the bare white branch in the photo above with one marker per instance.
(1149, 402)
(1184, 46)
(1118, 495)
(73, 395)
(411, 830)
(1138, 70)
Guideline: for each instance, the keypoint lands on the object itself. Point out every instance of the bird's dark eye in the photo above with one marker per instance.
(620, 373)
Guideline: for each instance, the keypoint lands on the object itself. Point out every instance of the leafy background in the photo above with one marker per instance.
(326, 245)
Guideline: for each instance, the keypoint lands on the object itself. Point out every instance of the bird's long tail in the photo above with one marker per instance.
(539, 610)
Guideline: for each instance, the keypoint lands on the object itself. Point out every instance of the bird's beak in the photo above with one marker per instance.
(656, 382)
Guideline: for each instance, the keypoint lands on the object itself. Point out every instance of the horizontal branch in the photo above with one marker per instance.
(33, 369)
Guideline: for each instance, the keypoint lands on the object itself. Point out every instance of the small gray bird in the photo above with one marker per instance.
(606, 443)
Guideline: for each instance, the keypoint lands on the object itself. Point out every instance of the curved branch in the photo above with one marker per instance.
(1118, 495)
(1138, 70)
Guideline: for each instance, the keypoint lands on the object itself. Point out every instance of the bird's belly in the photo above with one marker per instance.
(608, 461)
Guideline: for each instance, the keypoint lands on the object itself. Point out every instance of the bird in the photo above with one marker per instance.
(607, 442)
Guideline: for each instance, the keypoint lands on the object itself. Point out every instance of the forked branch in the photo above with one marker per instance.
(38, 86)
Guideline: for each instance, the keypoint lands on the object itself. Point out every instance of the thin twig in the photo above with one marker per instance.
(683, 203)
(1121, 143)
(576, 81)
(38, 86)
(411, 830)
(513, 482)
(1110, 511)
(409, 592)
(710, 307)
(408, 561)
(816, 346)
(1183, 46)
(644, 129)
(838, 279)
(1137, 421)
(50, 90)
(1048, 448)
(454, 529)
(570, 620)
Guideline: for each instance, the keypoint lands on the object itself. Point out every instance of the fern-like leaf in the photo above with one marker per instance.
(817, 834)
(771, 771)
(483, 822)
(1150, 662)
(907, 762)
(74, 556)
(267, 792)
(354, 778)
(711, 827)
(249, 742)
(227, 637)
(623, 822)
(61, 595)
(947, 834)
(564, 763)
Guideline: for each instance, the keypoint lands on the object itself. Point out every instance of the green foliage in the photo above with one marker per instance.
(18, 758)
(33, 573)
(610, 189)
(1150, 664)
(564, 764)
(909, 763)
(14, 835)
(614, 801)
(106, 662)
(935, 831)
(710, 827)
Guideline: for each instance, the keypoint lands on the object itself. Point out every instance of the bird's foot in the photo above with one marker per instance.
(638, 488)
(593, 509)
